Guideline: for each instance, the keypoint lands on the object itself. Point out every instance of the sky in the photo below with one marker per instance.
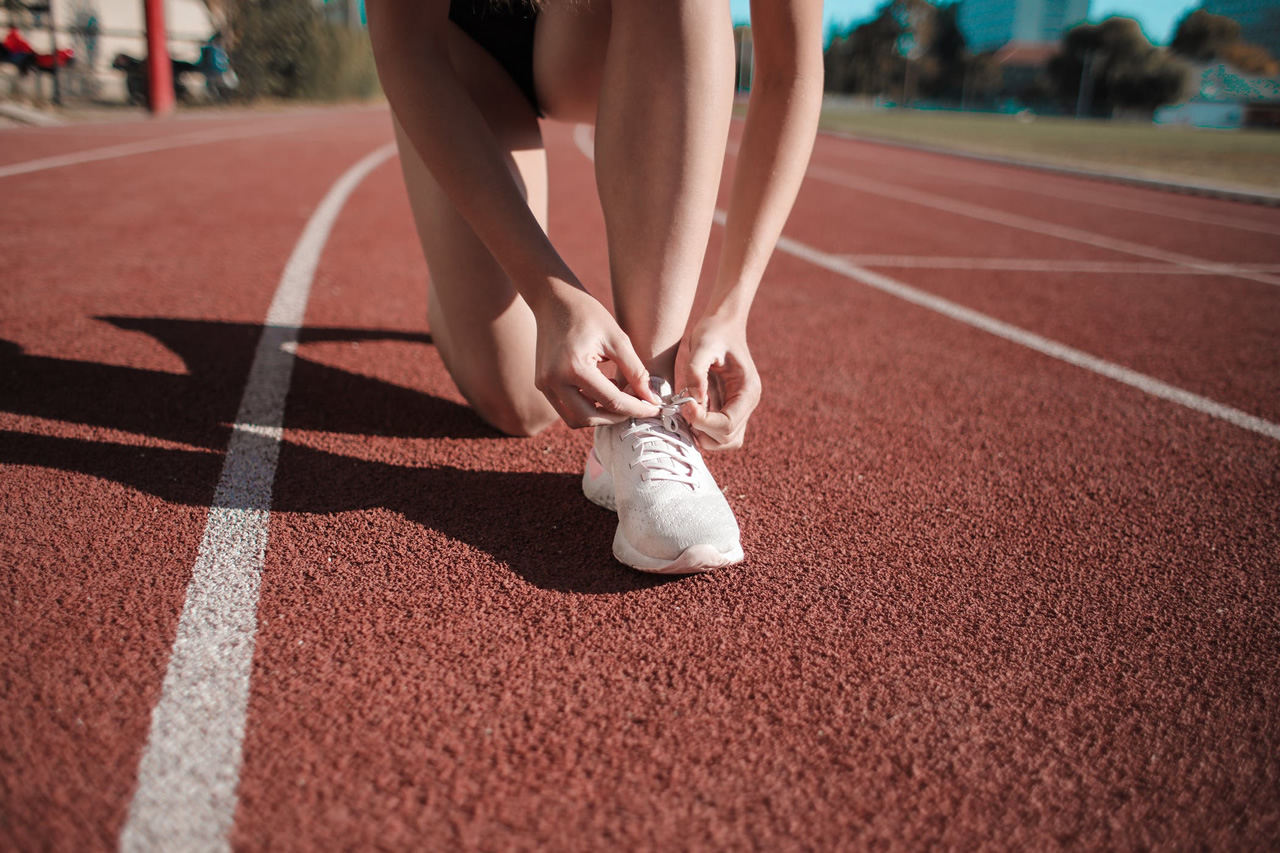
(1157, 17)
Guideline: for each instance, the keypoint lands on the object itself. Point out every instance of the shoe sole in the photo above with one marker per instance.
(597, 485)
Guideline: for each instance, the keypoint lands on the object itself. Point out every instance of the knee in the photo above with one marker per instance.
(519, 418)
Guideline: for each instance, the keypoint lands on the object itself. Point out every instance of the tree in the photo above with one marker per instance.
(1119, 67)
(909, 47)
(1204, 37)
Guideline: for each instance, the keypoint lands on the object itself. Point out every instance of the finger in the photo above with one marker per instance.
(583, 411)
(611, 399)
(700, 362)
(739, 410)
(715, 424)
(632, 369)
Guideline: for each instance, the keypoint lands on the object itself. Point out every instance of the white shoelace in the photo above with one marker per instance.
(665, 444)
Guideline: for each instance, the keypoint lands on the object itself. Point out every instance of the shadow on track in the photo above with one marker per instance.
(537, 523)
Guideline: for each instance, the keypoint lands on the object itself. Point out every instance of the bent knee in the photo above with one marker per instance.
(517, 418)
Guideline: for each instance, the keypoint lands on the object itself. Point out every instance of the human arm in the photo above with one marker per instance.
(782, 118)
(443, 121)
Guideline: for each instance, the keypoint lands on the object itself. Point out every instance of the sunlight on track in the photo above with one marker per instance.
(1030, 340)
(989, 178)
(1055, 265)
(110, 152)
(186, 796)
(1026, 223)
(1006, 331)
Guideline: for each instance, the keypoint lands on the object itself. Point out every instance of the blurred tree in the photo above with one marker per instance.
(948, 55)
(1204, 37)
(1117, 66)
(288, 49)
(910, 47)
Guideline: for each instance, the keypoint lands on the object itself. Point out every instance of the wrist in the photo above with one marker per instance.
(544, 293)
(728, 314)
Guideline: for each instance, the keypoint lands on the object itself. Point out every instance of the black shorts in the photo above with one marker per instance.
(505, 30)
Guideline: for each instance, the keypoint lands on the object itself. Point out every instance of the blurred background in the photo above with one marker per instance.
(1078, 81)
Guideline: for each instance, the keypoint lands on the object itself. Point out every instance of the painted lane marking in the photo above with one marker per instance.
(1035, 265)
(1030, 340)
(1026, 223)
(127, 149)
(999, 328)
(190, 767)
(1066, 194)
(582, 138)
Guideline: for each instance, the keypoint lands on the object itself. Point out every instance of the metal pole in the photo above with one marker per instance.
(53, 46)
(1085, 97)
(159, 70)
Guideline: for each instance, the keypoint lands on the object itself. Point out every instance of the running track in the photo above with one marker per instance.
(1011, 508)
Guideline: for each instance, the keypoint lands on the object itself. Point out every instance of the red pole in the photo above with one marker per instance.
(159, 71)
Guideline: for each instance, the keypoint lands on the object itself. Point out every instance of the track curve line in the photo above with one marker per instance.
(1027, 223)
(582, 137)
(190, 767)
(127, 149)
(1030, 340)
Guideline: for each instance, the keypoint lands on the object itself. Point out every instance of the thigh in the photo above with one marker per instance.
(484, 331)
(569, 49)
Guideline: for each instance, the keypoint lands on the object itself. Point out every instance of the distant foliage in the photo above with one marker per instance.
(288, 49)
(1204, 37)
(1124, 70)
(911, 48)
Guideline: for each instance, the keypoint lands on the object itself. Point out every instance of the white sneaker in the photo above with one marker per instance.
(672, 517)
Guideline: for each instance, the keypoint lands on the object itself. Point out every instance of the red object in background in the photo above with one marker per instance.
(159, 71)
(65, 57)
(15, 43)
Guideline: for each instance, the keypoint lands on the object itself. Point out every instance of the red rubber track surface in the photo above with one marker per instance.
(990, 598)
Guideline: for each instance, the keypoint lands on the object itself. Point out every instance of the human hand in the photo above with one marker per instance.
(722, 379)
(576, 336)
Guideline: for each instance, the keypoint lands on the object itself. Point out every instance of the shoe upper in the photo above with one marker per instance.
(667, 499)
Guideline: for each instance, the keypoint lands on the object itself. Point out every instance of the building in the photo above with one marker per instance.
(1259, 20)
(991, 24)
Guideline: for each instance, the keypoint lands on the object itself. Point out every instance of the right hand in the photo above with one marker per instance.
(576, 337)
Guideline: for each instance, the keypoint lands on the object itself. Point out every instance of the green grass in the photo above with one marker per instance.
(1243, 158)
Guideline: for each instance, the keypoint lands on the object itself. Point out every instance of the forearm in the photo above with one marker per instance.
(455, 143)
(782, 118)
(781, 121)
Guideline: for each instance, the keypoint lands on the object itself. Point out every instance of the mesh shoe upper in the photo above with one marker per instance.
(667, 499)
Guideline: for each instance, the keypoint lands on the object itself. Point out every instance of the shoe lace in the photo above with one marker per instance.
(664, 445)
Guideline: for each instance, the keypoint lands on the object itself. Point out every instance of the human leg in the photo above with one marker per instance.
(656, 76)
(483, 329)
(662, 122)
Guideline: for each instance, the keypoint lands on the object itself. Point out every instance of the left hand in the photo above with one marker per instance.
(722, 379)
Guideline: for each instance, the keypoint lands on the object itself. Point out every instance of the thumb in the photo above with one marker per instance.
(700, 361)
(632, 368)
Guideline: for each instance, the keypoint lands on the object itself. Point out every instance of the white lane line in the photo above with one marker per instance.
(1037, 187)
(999, 328)
(1030, 340)
(190, 768)
(1036, 265)
(127, 149)
(1036, 226)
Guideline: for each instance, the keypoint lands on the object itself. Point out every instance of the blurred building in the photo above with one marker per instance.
(991, 24)
(1219, 95)
(1021, 63)
(1259, 20)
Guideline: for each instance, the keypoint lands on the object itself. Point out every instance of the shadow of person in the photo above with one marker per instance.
(537, 524)
(197, 407)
